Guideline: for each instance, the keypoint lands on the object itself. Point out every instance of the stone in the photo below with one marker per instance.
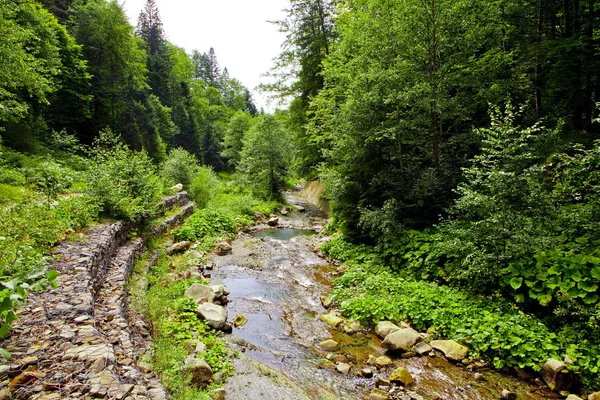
(177, 188)
(377, 394)
(27, 377)
(574, 397)
(371, 360)
(379, 381)
(555, 375)
(340, 358)
(217, 394)
(179, 247)
(422, 348)
(508, 395)
(366, 372)
(408, 354)
(273, 221)
(200, 293)
(332, 319)
(284, 211)
(90, 353)
(402, 339)
(215, 316)
(326, 301)
(220, 290)
(328, 345)
(222, 248)
(201, 373)
(343, 368)
(352, 328)
(384, 328)
(594, 396)
(239, 320)
(383, 361)
(525, 374)
(478, 376)
(401, 375)
(326, 364)
(200, 348)
(452, 350)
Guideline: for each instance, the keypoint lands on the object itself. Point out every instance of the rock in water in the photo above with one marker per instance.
(402, 339)
(326, 364)
(401, 375)
(200, 293)
(215, 315)
(328, 345)
(422, 348)
(452, 350)
(555, 375)
(573, 397)
(273, 221)
(199, 370)
(383, 361)
(332, 319)
(384, 328)
(239, 320)
(343, 368)
(223, 248)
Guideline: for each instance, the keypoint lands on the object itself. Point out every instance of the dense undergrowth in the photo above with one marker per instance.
(494, 329)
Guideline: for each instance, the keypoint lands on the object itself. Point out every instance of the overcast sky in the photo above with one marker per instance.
(244, 41)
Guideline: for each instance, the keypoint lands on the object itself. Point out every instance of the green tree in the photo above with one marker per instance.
(265, 157)
(233, 142)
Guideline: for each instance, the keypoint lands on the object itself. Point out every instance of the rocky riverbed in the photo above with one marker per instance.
(293, 347)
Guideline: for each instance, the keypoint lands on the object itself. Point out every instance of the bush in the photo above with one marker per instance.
(203, 187)
(123, 184)
(206, 223)
(179, 167)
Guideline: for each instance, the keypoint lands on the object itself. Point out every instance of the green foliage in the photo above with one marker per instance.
(204, 223)
(265, 157)
(179, 167)
(233, 142)
(204, 186)
(123, 184)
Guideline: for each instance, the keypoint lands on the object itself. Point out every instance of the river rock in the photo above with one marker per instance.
(384, 328)
(555, 376)
(220, 290)
(179, 247)
(366, 372)
(379, 382)
(402, 339)
(328, 345)
(215, 315)
(273, 221)
(383, 361)
(371, 360)
(200, 293)
(326, 301)
(326, 364)
(222, 248)
(199, 370)
(452, 350)
(478, 376)
(574, 397)
(508, 395)
(422, 348)
(239, 320)
(331, 319)
(594, 396)
(377, 394)
(343, 368)
(401, 375)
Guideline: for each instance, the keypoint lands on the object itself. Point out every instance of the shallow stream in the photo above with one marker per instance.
(276, 281)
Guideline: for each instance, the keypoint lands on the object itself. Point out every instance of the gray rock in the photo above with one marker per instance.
(215, 316)
(452, 350)
(199, 370)
(223, 248)
(402, 339)
(422, 348)
(384, 328)
(343, 368)
(508, 395)
(179, 247)
(273, 221)
(220, 290)
(573, 397)
(200, 293)
(555, 375)
(328, 345)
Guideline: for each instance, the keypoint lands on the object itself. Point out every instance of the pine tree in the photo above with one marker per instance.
(150, 28)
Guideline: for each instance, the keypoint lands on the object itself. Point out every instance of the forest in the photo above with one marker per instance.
(458, 142)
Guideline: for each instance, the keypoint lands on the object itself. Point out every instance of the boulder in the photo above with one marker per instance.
(222, 248)
(331, 319)
(402, 339)
(328, 345)
(384, 328)
(422, 348)
(402, 376)
(574, 397)
(200, 293)
(555, 375)
(452, 350)
(179, 247)
(273, 221)
(199, 370)
(215, 316)
(594, 396)
(220, 290)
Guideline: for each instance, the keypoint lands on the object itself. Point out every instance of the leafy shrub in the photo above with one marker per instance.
(179, 167)
(203, 187)
(51, 179)
(124, 184)
(11, 194)
(206, 222)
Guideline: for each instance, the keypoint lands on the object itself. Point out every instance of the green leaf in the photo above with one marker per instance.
(590, 298)
(595, 272)
(52, 275)
(516, 283)
(588, 286)
(5, 354)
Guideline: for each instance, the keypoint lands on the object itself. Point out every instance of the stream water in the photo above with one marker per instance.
(276, 281)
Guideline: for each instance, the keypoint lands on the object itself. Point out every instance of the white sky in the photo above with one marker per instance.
(238, 30)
